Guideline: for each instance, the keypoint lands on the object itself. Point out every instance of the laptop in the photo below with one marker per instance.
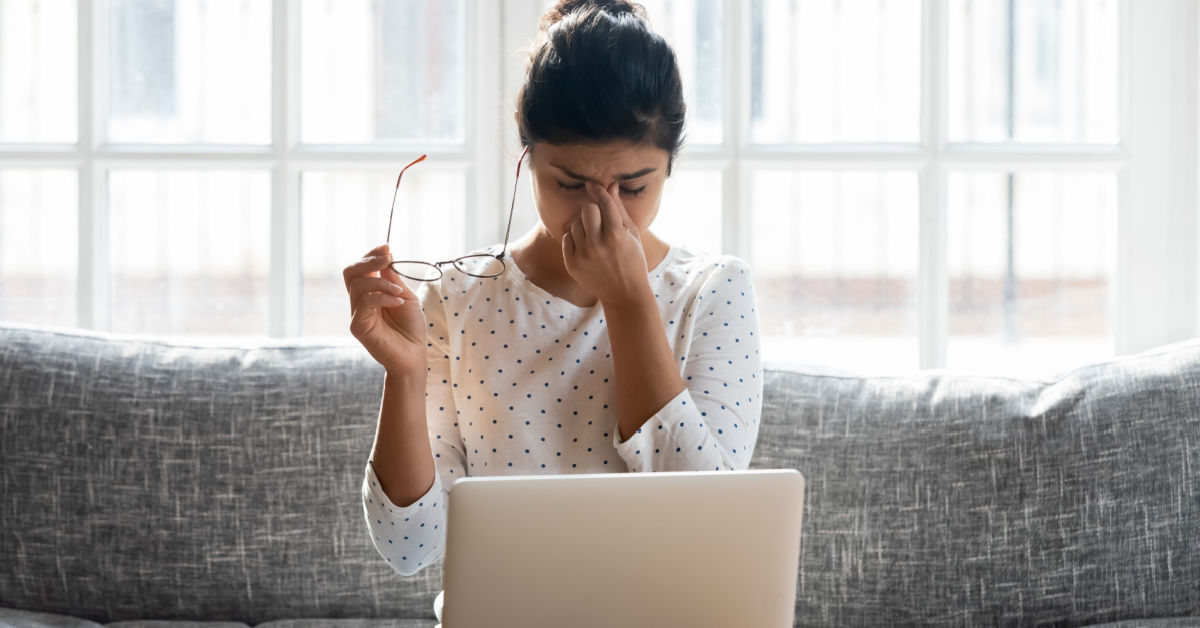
(677, 548)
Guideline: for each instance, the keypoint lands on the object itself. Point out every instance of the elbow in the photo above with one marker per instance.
(404, 569)
(407, 566)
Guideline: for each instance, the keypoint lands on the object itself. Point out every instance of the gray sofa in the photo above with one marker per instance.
(151, 479)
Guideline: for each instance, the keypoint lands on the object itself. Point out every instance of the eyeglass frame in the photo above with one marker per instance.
(437, 265)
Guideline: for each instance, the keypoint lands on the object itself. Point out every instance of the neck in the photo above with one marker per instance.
(542, 252)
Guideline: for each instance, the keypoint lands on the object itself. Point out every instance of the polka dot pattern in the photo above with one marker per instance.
(520, 382)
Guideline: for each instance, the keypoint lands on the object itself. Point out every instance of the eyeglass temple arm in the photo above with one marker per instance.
(397, 190)
(513, 203)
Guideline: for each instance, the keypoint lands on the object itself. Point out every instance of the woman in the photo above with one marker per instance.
(601, 348)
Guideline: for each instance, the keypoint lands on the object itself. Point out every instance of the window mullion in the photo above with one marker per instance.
(519, 26)
(1158, 271)
(93, 269)
(286, 299)
(484, 216)
(736, 203)
(932, 276)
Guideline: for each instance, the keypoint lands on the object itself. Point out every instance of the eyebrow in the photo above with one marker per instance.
(632, 175)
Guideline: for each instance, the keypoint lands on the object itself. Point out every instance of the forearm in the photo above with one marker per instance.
(644, 370)
(401, 454)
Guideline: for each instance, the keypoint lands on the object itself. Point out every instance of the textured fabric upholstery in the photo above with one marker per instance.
(145, 479)
(168, 479)
(946, 499)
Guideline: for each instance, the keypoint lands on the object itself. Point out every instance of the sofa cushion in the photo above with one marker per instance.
(350, 623)
(1160, 622)
(174, 623)
(144, 479)
(18, 618)
(946, 498)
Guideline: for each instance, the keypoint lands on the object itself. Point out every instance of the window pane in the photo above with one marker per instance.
(1031, 258)
(37, 71)
(190, 251)
(382, 70)
(1060, 59)
(693, 28)
(185, 72)
(690, 211)
(835, 265)
(345, 214)
(39, 246)
(835, 71)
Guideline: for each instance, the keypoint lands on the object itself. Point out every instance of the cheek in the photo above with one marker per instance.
(555, 206)
(558, 202)
(641, 210)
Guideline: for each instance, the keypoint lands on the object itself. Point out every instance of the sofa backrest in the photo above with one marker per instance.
(151, 478)
(953, 499)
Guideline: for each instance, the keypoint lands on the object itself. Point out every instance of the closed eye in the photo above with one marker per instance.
(575, 188)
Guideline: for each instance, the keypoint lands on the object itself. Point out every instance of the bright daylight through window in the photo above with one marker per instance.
(915, 184)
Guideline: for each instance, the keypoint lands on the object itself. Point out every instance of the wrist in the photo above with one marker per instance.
(404, 377)
(638, 301)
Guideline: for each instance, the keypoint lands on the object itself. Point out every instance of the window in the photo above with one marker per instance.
(230, 158)
(993, 185)
(940, 183)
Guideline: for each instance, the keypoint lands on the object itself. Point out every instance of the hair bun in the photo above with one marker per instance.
(564, 8)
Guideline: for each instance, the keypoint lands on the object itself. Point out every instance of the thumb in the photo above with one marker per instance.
(390, 273)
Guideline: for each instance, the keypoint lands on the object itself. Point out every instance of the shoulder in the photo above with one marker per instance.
(719, 281)
(709, 267)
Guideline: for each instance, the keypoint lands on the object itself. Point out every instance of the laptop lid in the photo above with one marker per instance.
(679, 548)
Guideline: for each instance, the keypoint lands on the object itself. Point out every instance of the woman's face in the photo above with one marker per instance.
(559, 170)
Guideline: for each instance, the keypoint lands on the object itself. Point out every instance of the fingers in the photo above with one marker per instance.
(391, 275)
(375, 260)
(578, 234)
(589, 218)
(568, 247)
(611, 211)
(363, 286)
(375, 300)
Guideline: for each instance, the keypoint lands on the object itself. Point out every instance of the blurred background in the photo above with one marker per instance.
(1000, 186)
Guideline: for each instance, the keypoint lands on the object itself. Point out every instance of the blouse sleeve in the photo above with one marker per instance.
(713, 422)
(412, 537)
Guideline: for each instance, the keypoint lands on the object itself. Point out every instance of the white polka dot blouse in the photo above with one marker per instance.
(520, 382)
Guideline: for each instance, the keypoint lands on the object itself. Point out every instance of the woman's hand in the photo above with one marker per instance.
(602, 249)
(386, 316)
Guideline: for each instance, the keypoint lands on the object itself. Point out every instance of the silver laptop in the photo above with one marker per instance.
(687, 548)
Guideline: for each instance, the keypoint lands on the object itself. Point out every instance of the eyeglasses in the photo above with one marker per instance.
(478, 265)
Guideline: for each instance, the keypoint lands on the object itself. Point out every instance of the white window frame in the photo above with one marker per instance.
(1157, 283)
(1156, 287)
(285, 158)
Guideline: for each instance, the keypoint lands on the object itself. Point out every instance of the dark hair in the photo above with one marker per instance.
(597, 72)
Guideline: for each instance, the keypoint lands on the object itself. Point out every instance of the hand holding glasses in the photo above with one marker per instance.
(478, 265)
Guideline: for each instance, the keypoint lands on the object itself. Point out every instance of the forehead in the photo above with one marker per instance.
(617, 157)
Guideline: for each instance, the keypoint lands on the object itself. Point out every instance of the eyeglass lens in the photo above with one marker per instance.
(477, 265)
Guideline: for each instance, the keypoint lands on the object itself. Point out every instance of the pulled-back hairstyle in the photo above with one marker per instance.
(598, 72)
